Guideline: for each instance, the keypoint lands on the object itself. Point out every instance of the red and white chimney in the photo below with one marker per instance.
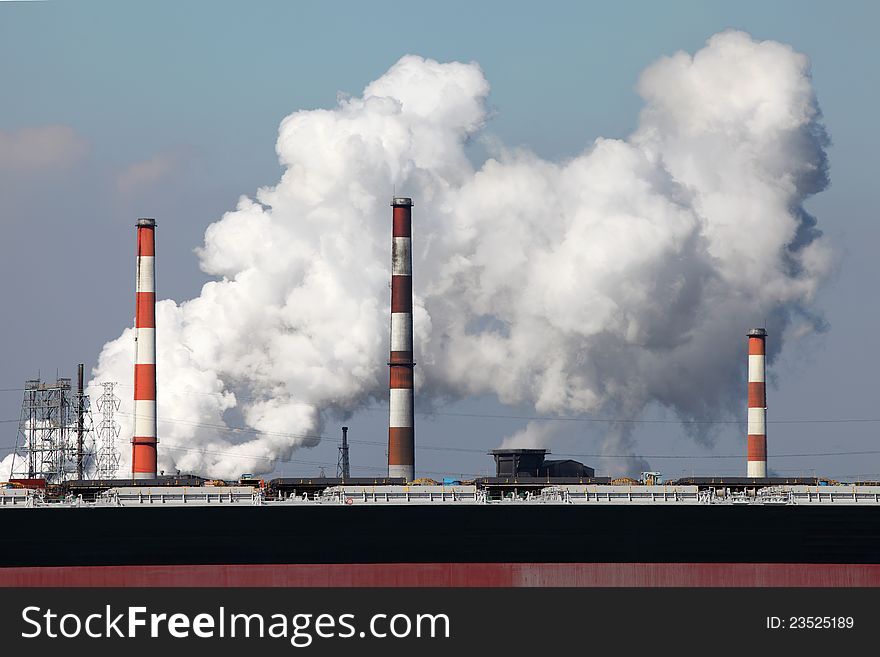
(143, 442)
(757, 440)
(401, 437)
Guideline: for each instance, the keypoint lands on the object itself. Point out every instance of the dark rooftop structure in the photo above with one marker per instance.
(518, 463)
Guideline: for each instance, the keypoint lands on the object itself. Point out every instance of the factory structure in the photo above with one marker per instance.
(143, 442)
(538, 521)
(401, 422)
(45, 451)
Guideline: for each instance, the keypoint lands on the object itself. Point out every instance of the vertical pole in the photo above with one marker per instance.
(79, 422)
(346, 473)
(143, 442)
(401, 440)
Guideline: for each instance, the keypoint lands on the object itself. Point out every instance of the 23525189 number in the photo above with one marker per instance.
(820, 622)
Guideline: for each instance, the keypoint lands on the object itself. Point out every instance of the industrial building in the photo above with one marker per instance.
(538, 521)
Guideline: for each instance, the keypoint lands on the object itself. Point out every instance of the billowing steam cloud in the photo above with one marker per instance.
(622, 277)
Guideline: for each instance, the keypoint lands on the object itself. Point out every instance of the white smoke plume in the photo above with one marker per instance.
(534, 434)
(6, 467)
(623, 277)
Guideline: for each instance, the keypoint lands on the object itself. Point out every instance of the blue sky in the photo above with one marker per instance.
(194, 91)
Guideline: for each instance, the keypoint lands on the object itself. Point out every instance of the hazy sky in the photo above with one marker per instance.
(172, 110)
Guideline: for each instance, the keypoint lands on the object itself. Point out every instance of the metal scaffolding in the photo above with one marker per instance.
(107, 451)
(53, 418)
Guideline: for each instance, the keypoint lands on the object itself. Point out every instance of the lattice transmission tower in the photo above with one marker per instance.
(108, 434)
(55, 433)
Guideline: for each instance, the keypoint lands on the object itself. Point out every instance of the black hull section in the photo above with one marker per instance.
(495, 533)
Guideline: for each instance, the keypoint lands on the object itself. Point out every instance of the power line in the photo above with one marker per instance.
(480, 451)
(650, 421)
(716, 456)
(251, 430)
(542, 418)
(483, 451)
(548, 418)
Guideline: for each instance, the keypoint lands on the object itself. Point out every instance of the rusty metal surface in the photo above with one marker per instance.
(401, 376)
(145, 241)
(400, 445)
(757, 394)
(401, 294)
(757, 448)
(454, 575)
(402, 222)
(401, 358)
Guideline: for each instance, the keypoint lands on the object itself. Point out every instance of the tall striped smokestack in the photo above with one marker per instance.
(401, 438)
(757, 440)
(143, 442)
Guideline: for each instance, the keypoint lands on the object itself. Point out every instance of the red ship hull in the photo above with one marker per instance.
(453, 575)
